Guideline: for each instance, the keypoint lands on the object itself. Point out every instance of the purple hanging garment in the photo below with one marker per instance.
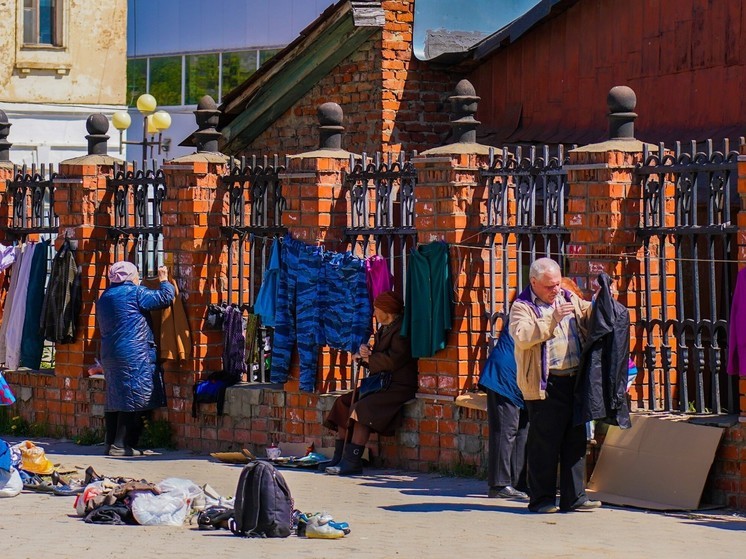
(378, 276)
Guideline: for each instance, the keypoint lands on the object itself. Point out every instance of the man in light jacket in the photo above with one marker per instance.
(548, 325)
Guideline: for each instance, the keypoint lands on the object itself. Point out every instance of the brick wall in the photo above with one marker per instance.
(391, 101)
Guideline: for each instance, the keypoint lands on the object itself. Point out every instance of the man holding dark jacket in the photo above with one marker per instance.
(548, 325)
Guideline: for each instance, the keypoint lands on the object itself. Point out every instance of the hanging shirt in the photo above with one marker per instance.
(14, 333)
(32, 341)
(10, 298)
(170, 325)
(427, 314)
(378, 277)
(737, 325)
(62, 301)
(266, 299)
(7, 256)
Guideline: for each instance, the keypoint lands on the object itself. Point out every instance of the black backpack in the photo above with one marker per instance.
(263, 505)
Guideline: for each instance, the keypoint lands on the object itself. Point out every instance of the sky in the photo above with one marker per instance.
(485, 16)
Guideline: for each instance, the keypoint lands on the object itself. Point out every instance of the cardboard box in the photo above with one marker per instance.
(658, 463)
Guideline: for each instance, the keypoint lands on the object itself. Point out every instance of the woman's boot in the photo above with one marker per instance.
(352, 461)
(336, 459)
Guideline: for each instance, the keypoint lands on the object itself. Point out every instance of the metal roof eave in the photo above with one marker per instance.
(311, 60)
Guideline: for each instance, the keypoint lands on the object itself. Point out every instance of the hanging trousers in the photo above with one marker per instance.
(554, 439)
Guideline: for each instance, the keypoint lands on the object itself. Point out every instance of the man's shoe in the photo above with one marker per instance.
(587, 505)
(506, 492)
(547, 508)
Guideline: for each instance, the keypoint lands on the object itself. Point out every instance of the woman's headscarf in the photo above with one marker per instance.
(390, 302)
(122, 271)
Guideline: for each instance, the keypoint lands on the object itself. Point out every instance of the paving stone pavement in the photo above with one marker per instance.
(392, 514)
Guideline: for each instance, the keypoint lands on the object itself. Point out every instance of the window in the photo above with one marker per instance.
(201, 77)
(165, 79)
(42, 22)
(137, 79)
(265, 55)
(237, 67)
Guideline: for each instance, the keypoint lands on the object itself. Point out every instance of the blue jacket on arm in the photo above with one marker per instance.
(128, 349)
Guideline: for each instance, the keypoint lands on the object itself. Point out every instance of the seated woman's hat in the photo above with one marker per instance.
(390, 302)
(122, 271)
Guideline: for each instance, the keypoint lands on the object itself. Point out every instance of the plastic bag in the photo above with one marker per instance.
(171, 507)
(34, 460)
(10, 483)
(166, 509)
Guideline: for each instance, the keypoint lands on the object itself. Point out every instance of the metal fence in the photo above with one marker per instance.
(382, 211)
(255, 207)
(137, 224)
(526, 202)
(688, 230)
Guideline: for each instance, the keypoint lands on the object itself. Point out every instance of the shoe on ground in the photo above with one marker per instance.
(506, 492)
(547, 508)
(317, 529)
(587, 505)
(126, 451)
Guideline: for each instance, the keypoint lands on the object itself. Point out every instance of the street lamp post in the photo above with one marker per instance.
(153, 122)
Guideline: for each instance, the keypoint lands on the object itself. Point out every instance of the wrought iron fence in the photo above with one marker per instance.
(526, 203)
(688, 230)
(32, 217)
(255, 207)
(382, 210)
(137, 225)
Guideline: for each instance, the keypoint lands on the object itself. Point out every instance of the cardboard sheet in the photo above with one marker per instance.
(658, 464)
(473, 400)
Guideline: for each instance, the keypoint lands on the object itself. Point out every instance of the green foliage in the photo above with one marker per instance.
(16, 426)
(89, 437)
(458, 470)
(157, 434)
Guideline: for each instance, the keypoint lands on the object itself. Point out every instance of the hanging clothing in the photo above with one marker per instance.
(10, 298)
(266, 299)
(63, 299)
(346, 311)
(234, 343)
(297, 313)
(170, 326)
(14, 334)
(378, 277)
(32, 341)
(427, 314)
(252, 339)
(737, 328)
(601, 387)
(7, 256)
(322, 300)
(6, 395)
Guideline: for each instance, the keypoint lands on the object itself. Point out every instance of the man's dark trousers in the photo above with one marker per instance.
(552, 440)
(508, 428)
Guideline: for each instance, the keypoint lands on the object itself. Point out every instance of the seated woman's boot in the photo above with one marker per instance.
(336, 459)
(352, 461)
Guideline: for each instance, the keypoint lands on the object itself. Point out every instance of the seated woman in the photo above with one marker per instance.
(377, 412)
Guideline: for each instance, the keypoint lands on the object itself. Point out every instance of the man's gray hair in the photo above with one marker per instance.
(541, 266)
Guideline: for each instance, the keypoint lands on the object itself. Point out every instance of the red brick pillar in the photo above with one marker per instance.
(194, 254)
(604, 211)
(84, 209)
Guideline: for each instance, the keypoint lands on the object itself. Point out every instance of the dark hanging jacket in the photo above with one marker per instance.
(601, 387)
(62, 301)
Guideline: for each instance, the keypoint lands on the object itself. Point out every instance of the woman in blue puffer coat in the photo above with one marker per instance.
(134, 384)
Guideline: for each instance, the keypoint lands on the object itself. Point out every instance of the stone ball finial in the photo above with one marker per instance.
(621, 101)
(97, 124)
(465, 88)
(3, 117)
(330, 114)
(330, 117)
(207, 103)
(4, 132)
